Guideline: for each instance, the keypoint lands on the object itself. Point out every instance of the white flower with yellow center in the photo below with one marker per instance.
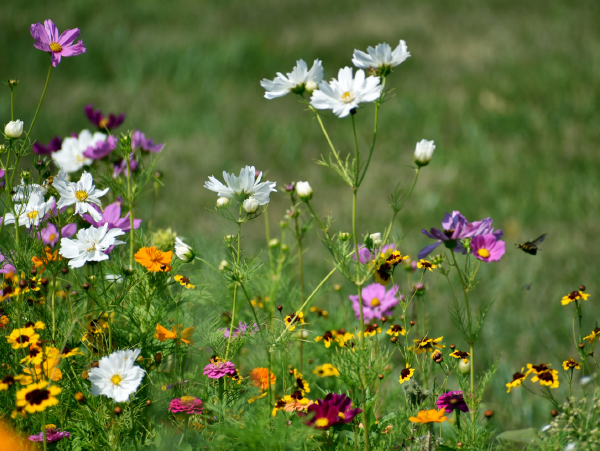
(89, 245)
(344, 94)
(382, 57)
(300, 79)
(22, 192)
(32, 213)
(242, 187)
(82, 194)
(117, 376)
(70, 157)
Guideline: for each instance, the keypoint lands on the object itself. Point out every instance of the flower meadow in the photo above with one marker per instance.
(107, 347)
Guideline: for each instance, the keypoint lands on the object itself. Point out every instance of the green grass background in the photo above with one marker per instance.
(509, 91)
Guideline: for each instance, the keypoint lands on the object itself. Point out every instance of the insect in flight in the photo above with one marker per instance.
(531, 247)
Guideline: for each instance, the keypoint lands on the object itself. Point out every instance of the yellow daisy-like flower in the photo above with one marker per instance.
(396, 330)
(406, 374)
(429, 416)
(426, 265)
(185, 282)
(302, 385)
(68, 352)
(7, 382)
(292, 403)
(574, 296)
(548, 378)
(290, 322)
(518, 379)
(37, 397)
(383, 266)
(595, 334)
(427, 344)
(460, 355)
(326, 370)
(537, 369)
(571, 364)
(35, 356)
(371, 330)
(327, 339)
(319, 312)
(342, 337)
(22, 338)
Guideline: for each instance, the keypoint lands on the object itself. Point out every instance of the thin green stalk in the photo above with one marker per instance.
(12, 103)
(299, 240)
(235, 288)
(268, 236)
(221, 390)
(131, 232)
(372, 142)
(44, 430)
(335, 153)
(53, 310)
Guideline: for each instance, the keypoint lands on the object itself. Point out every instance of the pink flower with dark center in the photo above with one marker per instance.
(452, 400)
(52, 435)
(102, 122)
(186, 404)
(48, 40)
(217, 370)
(487, 248)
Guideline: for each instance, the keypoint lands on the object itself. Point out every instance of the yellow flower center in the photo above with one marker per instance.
(32, 214)
(375, 302)
(483, 253)
(347, 97)
(50, 426)
(116, 379)
(81, 195)
(342, 416)
(103, 123)
(322, 423)
(187, 399)
(52, 237)
(55, 47)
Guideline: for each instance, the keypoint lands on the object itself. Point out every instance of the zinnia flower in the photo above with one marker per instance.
(139, 141)
(334, 409)
(377, 301)
(347, 92)
(219, 368)
(54, 145)
(91, 245)
(452, 400)
(382, 57)
(429, 416)
(47, 40)
(36, 397)
(243, 187)
(81, 194)
(117, 376)
(53, 434)
(176, 333)
(487, 248)
(260, 378)
(154, 259)
(186, 404)
(102, 122)
(300, 79)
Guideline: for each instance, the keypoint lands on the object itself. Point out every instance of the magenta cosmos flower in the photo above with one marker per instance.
(5, 266)
(54, 145)
(186, 404)
(121, 166)
(52, 435)
(452, 400)
(101, 149)
(334, 409)
(487, 248)
(377, 301)
(49, 234)
(112, 217)
(102, 122)
(138, 140)
(47, 40)
(217, 370)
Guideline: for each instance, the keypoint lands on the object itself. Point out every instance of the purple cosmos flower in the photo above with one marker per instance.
(377, 301)
(334, 409)
(186, 404)
(5, 266)
(47, 40)
(54, 145)
(102, 122)
(49, 234)
(452, 400)
(217, 370)
(112, 217)
(138, 140)
(487, 248)
(52, 435)
(239, 331)
(121, 166)
(101, 149)
(365, 255)
(343, 403)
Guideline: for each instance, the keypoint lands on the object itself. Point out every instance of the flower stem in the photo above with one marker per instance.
(53, 310)
(12, 103)
(44, 430)
(131, 236)
(235, 288)
(301, 266)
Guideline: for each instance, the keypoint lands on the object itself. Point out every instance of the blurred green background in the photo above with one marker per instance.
(509, 91)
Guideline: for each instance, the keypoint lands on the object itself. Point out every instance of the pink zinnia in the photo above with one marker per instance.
(52, 435)
(217, 370)
(47, 40)
(487, 248)
(187, 404)
(377, 302)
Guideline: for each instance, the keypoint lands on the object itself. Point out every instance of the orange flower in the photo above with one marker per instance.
(154, 259)
(260, 378)
(176, 333)
(429, 416)
(43, 261)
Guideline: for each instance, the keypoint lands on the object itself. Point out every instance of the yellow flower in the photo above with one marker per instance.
(460, 355)
(302, 385)
(37, 397)
(319, 312)
(154, 259)
(571, 364)
(292, 403)
(371, 330)
(574, 296)
(595, 333)
(184, 281)
(7, 382)
(427, 344)
(325, 370)
(548, 378)
(537, 369)
(426, 265)
(406, 374)
(68, 352)
(396, 330)
(290, 322)
(383, 266)
(259, 301)
(176, 333)
(429, 416)
(22, 338)
(342, 337)
(327, 339)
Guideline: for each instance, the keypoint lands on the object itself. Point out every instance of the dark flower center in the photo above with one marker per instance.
(33, 352)
(328, 336)
(37, 396)
(449, 233)
(396, 328)
(297, 395)
(518, 376)
(185, 280)
(546, 376)
(22, 339)
(574, 295)
(9, 380)
(405, 373)
(541, 367)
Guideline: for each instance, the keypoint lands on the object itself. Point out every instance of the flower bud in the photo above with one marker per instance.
(290, 187)
(581, 287)
(310, 86)
(184, 251)
(424, 152)
(128, 270)
(337, 287)
(222, 202)
(437, 357)
(394, 339)
(25, 174)
(489, 413)
(283, 224)
(223, 265)
(554, 412)
(229, 239)
(464, 368)
(274, 243)
(344, 236)
(250, 205)
(304, 191)
(285, 247)
(412, 323)
(118, 410)
(280, 307)
(303, 334)
(12, 83)
(14, 129)
(375, 239)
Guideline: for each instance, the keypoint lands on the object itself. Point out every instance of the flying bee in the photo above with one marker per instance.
(531, 247)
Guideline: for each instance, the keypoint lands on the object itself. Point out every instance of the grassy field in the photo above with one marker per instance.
(509, 91)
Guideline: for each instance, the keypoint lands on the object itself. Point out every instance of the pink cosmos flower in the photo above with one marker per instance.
(49, 234)
(5, 266)
(47, 40)
(54, 145)
(217, 370)
(112, 217)
(101, 149)
(121, 166)
(487, 248)
(102, 122)
(187, 404)
(138, 140)
(377, 302)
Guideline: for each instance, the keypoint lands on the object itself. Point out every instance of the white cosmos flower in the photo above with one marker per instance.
(23, 191)
(89, 245)
(117, 376)
(345, 93)
(82, 194)
(183, 251)
(70, 157)
(242, 187)
(32, 213)
(424, 152)
(381, 57)
(300, 79)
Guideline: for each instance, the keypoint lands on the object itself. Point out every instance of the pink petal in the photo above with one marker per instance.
(39, 33)
(42, 46)
(55, 59)
(68, 36)
(73, 50)
(51, 30)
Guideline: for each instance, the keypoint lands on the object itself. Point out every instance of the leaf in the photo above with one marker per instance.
(519, 436)
(446, 448)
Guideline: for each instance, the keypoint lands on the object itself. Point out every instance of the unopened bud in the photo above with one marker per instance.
(424, 152)
(489, 413)
(337, 287)
(345, 236)
(437, 357)
(280, 307)
(158, 357)
(453, 347)
(290, 187)
(22, 283)
(118, 410)
(274, 243)
(412, 323)
(380, 376)
(223, 265)
(64, 270)
(383, 319)
(581, 287)
(33, 271)
(304, 191)
(554, 412)
(128, 270)
(14, 129)
(148, 402)
(464, 368)
(581, 345)
(250, 205)
(310, 361)
(375, 239)
(394, 339)
(223, 202)
(85, 286)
